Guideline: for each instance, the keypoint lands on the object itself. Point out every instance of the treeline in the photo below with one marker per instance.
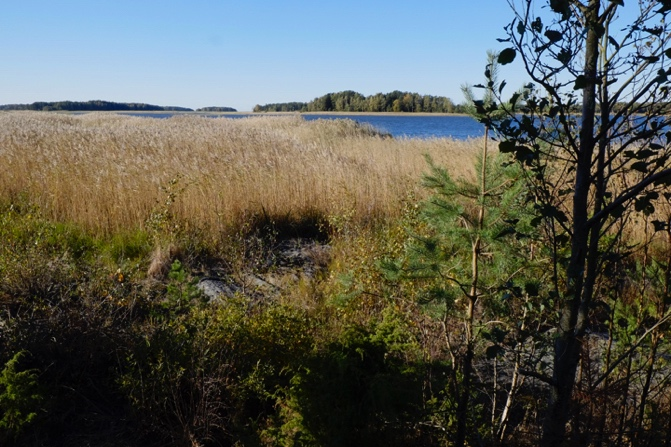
(216, 109)
(282, 107)
(106, 106)
(351, 101)
(96, 105)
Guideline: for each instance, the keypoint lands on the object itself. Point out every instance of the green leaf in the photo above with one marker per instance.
(660, 225)
(666, 6)
(644, 205)
(561, 7)
(537, 25)
(564, 56)
(507, 56)
(554, 110)
(513, 99)
(507, 147)
(640, 166)
(503, 84)
(651, 59)
(494, 351)
(645, 153)
(553, 36)
(618, 211)
(661, 76)
(580, 83)
(520, 28)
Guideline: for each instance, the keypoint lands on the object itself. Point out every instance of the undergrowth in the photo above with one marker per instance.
(106, 338)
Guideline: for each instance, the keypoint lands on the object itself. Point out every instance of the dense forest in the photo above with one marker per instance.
(351, 101)
(216, 109)
(96, 105)
(106, 106)
(282, 107)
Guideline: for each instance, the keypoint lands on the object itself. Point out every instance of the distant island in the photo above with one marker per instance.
(351, 101)
(216, 109)
(106, 106)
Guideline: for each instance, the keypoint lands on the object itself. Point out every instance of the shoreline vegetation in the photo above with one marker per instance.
(280, 164)
(198, 281)
(351, 101)
(346, 101)
(110, 223)
(105, 106)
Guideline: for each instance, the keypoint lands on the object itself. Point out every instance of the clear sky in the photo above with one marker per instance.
(198, 53)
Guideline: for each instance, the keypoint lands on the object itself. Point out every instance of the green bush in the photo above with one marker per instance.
(365, 387)
(20, 398)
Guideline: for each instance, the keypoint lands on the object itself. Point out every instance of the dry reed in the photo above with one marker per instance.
(108, 172)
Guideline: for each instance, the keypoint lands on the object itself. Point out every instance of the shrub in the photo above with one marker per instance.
(20, 398)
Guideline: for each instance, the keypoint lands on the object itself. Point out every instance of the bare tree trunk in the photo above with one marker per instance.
(573, 317)
(600, 439)
(645, 392)
(515, 382)
(624, 407)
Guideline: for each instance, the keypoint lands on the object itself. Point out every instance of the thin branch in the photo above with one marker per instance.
(628, 352)
(633, 192)
(540, 376)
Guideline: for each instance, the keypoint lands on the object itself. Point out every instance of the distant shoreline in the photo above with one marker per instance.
(158, 112)
(255, 114)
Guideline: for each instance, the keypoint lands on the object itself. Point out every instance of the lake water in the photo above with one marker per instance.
(399, 126)
(416, 126)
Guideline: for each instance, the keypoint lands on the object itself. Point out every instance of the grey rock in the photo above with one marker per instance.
(216, 289)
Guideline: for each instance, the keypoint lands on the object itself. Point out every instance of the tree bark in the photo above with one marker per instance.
(573, 318)
(463, 403)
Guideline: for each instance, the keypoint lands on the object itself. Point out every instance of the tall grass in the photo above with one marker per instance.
(108, 172)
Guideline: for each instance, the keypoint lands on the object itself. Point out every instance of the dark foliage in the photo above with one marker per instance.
(93, 106)
(350, 101)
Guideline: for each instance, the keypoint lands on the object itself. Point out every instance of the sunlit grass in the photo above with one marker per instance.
(109, 172)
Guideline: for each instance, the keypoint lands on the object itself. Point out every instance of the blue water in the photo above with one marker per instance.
(416, 126)
(399, 126)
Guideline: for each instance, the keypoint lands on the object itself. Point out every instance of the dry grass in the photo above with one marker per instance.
(109, 172)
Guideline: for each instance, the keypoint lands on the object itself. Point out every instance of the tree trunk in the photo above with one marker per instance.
(464, 397)
(573, 318)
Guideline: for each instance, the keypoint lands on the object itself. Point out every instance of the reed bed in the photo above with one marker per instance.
(109, 172)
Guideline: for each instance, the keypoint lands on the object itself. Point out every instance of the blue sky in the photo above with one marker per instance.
(199, 53)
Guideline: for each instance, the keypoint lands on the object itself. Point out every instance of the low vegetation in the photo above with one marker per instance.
(110, 224)
(271, 281)
(107, 224)
(108, 173)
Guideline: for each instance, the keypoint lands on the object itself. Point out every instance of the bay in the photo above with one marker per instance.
(459, 127)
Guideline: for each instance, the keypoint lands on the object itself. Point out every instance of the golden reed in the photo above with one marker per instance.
(108, 172)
